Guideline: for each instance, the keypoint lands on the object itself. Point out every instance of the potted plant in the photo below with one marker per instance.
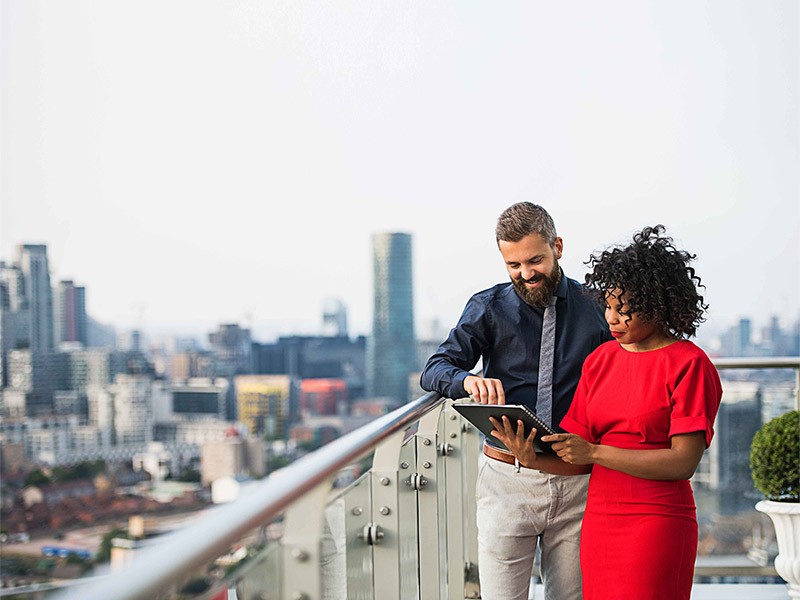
(775, 468)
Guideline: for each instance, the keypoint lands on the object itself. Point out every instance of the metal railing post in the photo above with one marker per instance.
(462, 564)
(430, 485)
(383, 533)
(301, 546)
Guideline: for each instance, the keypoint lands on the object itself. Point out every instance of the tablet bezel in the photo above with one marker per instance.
(478, 414)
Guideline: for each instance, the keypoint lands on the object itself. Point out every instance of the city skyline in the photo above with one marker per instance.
(237, 176)
(316, 325)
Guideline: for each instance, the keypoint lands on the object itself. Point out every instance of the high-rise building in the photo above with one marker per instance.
(199, 398)
(231, 347)
(264, 404)
(133, 398)
(32, 262)
(391, 351)
(69, 315)
(37, 375)
(14, 316)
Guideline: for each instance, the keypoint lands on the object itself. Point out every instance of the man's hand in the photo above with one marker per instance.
(485, 391)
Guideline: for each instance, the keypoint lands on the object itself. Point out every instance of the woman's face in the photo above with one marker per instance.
(631, 331)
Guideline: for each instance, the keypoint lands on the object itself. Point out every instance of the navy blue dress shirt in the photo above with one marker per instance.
(498, 327)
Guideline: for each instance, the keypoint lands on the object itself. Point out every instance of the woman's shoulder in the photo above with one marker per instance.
(603, 352)
(688, 349)
(686, 354)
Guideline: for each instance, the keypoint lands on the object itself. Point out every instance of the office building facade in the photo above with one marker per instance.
(391, 351)
(69, 315)
(32, 262)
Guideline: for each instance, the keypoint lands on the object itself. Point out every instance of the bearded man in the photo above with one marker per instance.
(532, 336)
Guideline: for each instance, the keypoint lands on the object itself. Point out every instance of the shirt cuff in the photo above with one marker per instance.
(458, 385)
(690, 425)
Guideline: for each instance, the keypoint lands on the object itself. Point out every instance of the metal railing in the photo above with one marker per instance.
(773, 362)
(305, 489)
(404, 529)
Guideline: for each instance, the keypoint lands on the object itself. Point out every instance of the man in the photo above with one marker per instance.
(506, 326)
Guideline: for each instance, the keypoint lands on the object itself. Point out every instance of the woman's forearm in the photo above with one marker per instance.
(661, 464)
(679, 461)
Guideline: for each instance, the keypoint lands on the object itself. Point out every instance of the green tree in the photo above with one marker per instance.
(37, 477)
(190, 475)
(86, 469)
(104, 553)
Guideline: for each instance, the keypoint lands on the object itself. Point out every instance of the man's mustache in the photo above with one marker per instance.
(533, 278)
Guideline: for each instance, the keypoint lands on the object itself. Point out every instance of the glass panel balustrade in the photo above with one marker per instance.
(405, 528)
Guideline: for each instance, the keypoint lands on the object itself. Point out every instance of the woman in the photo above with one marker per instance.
(642, 415)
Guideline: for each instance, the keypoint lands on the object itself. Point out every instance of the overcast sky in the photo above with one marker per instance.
(196, 162)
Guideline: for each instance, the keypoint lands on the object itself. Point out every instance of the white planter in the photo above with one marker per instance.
(786, 518)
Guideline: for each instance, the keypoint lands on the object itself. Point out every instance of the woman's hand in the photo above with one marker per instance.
(572, 448)
(515, 440)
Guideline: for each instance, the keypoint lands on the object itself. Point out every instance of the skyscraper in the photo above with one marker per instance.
(70, 313)
(391, 351)
(32, 262)
(14, 316)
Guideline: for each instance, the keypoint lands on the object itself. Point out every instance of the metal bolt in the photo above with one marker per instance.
(299, 596)
(452, 435)
(385, 510)
(385, 481)
(404, 465)
(452, 417)
(299, 555)
(426, 464)
(357, 510)
(426, 442)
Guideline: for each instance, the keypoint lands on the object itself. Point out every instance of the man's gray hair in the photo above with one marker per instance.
(525, 218)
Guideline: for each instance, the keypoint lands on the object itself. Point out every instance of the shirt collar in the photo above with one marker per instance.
(561, 288)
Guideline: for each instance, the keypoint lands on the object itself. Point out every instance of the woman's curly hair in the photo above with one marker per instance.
(659, 283)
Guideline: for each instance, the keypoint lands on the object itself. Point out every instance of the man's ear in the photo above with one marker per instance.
(558, 246)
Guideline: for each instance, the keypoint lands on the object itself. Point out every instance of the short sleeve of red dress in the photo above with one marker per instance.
(696, 396)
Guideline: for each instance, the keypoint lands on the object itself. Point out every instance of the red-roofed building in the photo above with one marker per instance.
(323, 397)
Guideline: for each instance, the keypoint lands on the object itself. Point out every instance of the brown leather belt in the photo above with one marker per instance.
(498, 454)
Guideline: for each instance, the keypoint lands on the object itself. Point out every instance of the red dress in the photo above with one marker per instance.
(639, 536)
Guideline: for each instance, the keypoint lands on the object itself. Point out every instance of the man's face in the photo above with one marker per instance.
(533, 267)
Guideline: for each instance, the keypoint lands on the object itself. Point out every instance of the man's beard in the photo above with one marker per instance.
(539, 296)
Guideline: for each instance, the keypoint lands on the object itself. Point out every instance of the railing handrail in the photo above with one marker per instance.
(193, 546)
(757, 362)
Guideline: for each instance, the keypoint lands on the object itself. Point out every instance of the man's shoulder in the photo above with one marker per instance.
(576, 287)
(499, 292)
(578, 292)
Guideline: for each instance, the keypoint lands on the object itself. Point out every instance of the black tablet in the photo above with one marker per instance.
(478, 414)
